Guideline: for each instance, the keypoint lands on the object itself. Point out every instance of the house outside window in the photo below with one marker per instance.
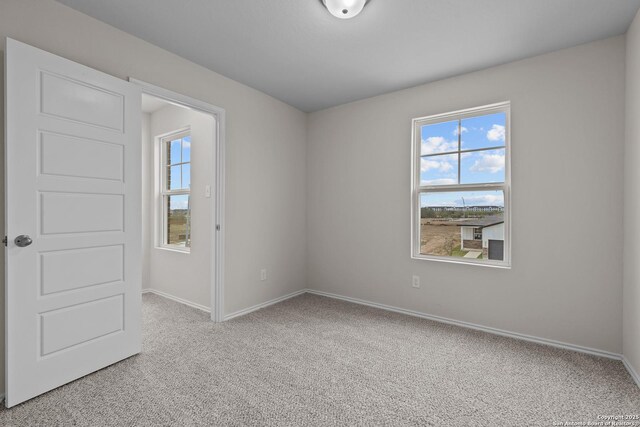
(461, 186)
(175, 191)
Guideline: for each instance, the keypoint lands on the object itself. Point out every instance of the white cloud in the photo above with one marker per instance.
(438, 144)
(471, 199)
(179, 203)
(496, 133)
(484, 200)
(491, 163)
(462, 130)
(440, 163)
(444, 203)
(439, 181)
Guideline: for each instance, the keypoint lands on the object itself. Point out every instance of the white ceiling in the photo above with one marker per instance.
(296, 51)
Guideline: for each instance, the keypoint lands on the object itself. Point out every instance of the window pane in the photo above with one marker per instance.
(483, 131)
(482, 166)
(439, 170)
(439, 138)
(174, 152)
(178, 220)
(186, 175)
(467, 224)
(186, 149)
(173, 178)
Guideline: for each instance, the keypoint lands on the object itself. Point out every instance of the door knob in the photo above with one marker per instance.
(23, 240)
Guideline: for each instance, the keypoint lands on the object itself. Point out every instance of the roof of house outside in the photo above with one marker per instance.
(487, 221)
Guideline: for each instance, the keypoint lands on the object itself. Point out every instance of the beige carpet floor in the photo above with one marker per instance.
(314, 361)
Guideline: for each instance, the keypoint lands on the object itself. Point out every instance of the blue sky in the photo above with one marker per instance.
(179, 201)
(437, 168)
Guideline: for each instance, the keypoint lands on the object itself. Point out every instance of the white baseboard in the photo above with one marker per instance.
(229, 316)
(263, 305)
(177, 299)
(495, 331)
(488, 329)
(632, 371)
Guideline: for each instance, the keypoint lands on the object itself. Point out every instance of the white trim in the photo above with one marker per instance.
(417, 189)
(465, 113)
(440, 319)
(632, 371)
(177, 299)
(462, 261)
(173, 248)
(495, 331)
(264, 304)
(217, 202)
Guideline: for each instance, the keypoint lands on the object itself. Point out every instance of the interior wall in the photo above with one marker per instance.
(567, 141)
(631, 292)
(265, 139)
(183, 275)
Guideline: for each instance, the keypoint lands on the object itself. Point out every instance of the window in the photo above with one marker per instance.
(461, 186)
(477, 234)
(175, 186)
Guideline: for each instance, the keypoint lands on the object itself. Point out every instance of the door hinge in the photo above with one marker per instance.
(5, 240)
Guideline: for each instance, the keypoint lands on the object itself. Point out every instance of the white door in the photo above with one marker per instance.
(72, 153)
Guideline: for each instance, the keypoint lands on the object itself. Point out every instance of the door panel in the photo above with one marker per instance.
(64, 155)
(62, 213)
(77, 100)
(73, 185)
(71, 326)
(58, 273)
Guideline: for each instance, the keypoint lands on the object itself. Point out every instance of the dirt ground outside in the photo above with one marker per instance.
(440, 238)
(177, 228)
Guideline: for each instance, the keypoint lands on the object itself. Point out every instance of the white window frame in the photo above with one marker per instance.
(163, 192)
(417, 189)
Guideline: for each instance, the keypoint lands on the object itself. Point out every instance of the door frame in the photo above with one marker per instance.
(217, 202)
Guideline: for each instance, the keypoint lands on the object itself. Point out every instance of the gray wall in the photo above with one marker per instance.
(631, 292)
(183, 275)
(567, 142)
(266, 150)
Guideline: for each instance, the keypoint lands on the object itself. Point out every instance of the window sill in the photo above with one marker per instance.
(174, 249)
(491, 264)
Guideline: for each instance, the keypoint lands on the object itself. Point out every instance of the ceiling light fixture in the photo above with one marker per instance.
(344, 9)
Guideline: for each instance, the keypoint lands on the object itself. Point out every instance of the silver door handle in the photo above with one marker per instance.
(23, 240)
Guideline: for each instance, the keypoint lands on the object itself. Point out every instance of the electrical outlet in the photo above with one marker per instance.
(415, 282)
(263, 274)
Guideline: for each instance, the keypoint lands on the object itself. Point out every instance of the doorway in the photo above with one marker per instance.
(183, 195)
